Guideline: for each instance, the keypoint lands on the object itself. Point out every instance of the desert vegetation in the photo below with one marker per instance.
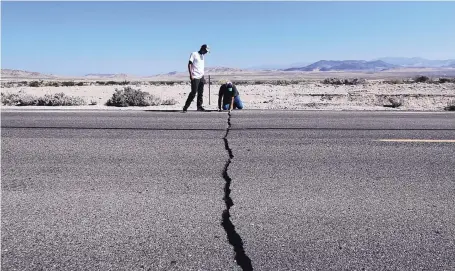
(413, 93)
(450, 106)
(286, 82)
(349, 82)
(57, 99)
(421, 79)
(129, 96)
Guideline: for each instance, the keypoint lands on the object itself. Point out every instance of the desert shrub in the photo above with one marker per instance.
(4, 98)
(446, 80)
(52, 84)
(100, 83)
(394, 81)
(7, 84)
(19, 99)
(332, 81)
(241, 82)
(60, 99)
(450, 106)
(111, 83)
(23, 99)
(160, 83)
(287, 82)
(35, 83)
(395, 102)
(27, 99)
(338, 81)
(169, 102)
(9, 98)
(422, 79)
(80, 84)
(93, 102)
(282, 82)
(68, 83)
(132, 97)
(124, 83)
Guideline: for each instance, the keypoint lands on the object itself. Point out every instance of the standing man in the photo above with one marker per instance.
(230, 96)
(196, 70)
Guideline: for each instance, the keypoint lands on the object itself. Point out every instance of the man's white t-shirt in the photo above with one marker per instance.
(197, 70)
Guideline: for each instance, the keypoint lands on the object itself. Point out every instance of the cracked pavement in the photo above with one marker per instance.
(233, 237)
(151, 190)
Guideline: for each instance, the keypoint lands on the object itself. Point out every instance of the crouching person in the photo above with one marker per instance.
(230, 97)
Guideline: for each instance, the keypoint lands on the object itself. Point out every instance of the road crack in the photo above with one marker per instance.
(233, 237)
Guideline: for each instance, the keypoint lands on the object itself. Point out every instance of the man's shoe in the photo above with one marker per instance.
(184, 110)
(201, 109)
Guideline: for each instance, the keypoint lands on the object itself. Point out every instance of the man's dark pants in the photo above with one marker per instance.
(197, 85)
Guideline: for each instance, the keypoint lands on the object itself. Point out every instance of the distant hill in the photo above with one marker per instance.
(345, 65)
(20, 74)
(106, 75)
(417, 62)
(272, 67)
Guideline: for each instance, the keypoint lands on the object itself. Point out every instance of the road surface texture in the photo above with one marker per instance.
(254, 190)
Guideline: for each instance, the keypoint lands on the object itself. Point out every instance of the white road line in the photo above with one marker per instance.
(419, 140)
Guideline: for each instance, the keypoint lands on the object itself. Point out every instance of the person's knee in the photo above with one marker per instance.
(193, 91)
(200, 86)
(239, 104)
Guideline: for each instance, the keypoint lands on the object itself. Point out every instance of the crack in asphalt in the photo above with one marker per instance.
(221, 129)
(233, 237)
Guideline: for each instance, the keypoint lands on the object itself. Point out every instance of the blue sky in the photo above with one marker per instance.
(145, 38)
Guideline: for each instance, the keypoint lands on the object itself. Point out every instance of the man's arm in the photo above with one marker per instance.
(232, 104)
(236, 93)
(190, 67)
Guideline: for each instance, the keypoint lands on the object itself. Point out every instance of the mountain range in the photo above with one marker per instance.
(345, 65)
(380, 64)
(418, 62)
(106, 75)
(278, 67)
(9, 73)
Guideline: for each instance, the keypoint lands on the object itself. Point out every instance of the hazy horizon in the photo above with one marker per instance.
(146, 38)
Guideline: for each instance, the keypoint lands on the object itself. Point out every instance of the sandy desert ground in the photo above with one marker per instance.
(261, 91)
(305, 95)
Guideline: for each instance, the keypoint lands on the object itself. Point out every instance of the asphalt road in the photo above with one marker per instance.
(150, 191)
